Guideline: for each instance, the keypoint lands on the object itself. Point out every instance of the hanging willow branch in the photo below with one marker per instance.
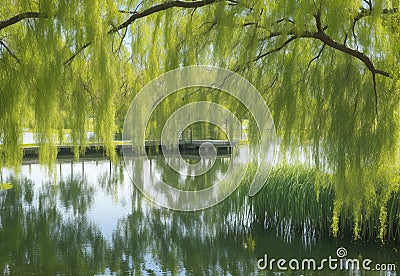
(136, 15)
(161, 7)
(320, 34)
(157, 8)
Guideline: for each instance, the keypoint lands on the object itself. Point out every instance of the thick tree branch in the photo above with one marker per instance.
(321, 35)
(137, 15)
(154, 9)
(19, 17)
(161, 7)
(327, 40)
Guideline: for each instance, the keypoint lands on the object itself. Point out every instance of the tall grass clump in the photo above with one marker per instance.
(302, 198)
(295, 195)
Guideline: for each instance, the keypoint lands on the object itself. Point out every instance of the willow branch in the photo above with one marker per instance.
(321, 35)
(368, 12)
(19, 17)
(136, 15)
(9, 51)
(161, 7)
(68, 61)
(284, 44)
(154, 9)
(318, 55)
(375, 93)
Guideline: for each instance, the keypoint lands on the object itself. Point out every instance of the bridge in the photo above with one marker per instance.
(151, 147)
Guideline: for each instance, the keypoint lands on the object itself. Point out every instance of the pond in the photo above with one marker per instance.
(86, 218)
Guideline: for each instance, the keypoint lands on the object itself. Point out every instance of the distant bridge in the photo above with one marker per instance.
(151, 147)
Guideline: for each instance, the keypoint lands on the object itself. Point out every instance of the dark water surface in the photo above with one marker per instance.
(86, 218)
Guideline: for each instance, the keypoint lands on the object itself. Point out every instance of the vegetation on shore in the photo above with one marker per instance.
(302, 198)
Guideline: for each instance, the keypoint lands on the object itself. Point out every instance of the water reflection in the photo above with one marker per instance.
(86, 218)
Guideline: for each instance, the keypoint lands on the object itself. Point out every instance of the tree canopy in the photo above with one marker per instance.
(329, 71)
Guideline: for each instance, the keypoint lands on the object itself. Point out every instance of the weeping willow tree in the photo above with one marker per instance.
(327, 69)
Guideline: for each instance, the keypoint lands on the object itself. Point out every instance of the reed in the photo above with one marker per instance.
(301, 199)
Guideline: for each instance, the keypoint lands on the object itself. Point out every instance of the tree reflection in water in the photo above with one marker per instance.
(87, 218)
(38, 237)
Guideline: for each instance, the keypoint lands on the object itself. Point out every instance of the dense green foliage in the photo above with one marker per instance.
(327, 69)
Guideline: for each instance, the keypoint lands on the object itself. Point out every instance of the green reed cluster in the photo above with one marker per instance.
(303, 198)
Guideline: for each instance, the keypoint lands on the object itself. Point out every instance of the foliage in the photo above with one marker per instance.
(327, 69)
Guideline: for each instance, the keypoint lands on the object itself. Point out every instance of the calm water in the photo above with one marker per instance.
(86, 218)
